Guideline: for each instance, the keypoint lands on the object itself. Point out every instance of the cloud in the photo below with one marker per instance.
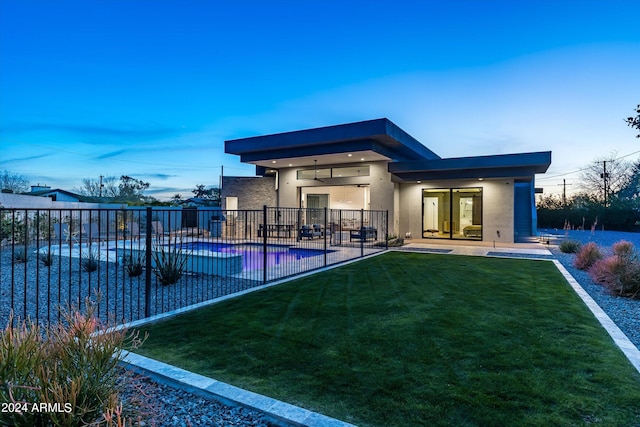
(110, 154)
(24, 159)
(166, 191)
(161, 176)
(133, 132)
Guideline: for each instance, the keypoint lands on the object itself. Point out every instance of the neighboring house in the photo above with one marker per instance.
(195, 202)
(58, 195)
(376, 165)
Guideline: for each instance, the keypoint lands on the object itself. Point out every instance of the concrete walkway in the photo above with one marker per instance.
(453, 247)
(284, 413)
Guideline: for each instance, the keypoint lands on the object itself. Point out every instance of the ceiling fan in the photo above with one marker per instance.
(315, 171)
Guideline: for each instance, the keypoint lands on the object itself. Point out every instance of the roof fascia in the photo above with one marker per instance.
(390, 141)
(537, 161)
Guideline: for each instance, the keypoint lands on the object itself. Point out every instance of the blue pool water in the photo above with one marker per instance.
(253, 255)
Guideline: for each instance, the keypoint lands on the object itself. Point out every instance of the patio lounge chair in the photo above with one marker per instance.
(92, 233)
(133, 230)
(62, 234)
(311, 231)
(363, 234)
(158, 229)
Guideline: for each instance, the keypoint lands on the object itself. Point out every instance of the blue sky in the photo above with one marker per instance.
(152, 88)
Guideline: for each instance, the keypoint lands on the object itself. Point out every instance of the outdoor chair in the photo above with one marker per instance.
(92, 233)
(310, 231)
(158, 229)
(363, 234)
(62, 234)
(133, 230)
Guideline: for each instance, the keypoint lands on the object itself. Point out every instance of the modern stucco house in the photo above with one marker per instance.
(376, 165)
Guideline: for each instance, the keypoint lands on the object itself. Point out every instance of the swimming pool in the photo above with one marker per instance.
(253, 255)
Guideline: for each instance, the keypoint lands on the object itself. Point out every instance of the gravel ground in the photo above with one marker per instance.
(624, 312)
(35, 289)
(160, 405)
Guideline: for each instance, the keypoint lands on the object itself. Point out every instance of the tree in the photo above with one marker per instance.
(606, 177)
(634, 122)
(176, 199)
(631, 190)
(127, 189)
(104, 186)
(211, 193)
(14, 182)
(130, 189)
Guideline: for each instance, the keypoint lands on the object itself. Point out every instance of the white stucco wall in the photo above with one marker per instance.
(24, 201)
(497, 211)
(379, 181)
(497, 206)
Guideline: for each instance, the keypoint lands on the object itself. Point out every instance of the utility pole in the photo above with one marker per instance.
(101, 185)
(604, 175)
(564, 192)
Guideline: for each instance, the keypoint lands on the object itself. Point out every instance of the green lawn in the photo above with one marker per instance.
(415, 339)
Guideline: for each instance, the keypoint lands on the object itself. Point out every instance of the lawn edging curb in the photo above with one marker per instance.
(274, 410)
(619, 338)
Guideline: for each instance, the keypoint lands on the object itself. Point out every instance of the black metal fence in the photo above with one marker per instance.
(134, 263)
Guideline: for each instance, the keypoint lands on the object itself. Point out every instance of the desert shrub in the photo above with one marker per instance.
(20, 255)
(569, 246)
(587, 256)
(620, 273)
(623, 248)
(170, 263)
(14, 228)
(46, 257)
(90, 261)
(73, 366)
(134, 265)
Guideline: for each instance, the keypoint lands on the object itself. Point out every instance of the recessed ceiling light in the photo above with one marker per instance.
(418, 182)
(273, 161)
(349, 154)
(290, 164)
(362, 158)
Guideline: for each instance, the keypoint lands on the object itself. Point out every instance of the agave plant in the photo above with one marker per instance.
(46, 257)
(134, 265)
(170, 264)
(90, 261)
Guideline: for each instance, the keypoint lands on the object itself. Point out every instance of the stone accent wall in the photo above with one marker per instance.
(253, 192)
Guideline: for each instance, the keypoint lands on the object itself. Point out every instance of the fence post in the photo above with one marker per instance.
(325, 236)
(264, 244)
(147, 278)
(386, 228)
(362, 236)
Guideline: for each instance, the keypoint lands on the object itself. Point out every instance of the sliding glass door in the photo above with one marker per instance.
(452, 213)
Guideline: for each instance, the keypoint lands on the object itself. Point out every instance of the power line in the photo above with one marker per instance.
(582, 169)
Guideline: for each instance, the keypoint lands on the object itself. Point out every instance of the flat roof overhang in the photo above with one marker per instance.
(371, 140)
(522, 165)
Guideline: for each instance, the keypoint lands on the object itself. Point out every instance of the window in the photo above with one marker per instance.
(350, 171)
(314, 173)
(340, 172)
